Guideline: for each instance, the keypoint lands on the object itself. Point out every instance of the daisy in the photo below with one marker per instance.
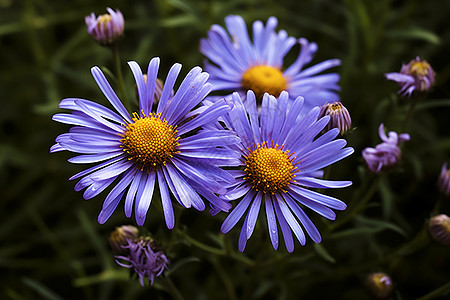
(239, 64)
(281, 161)
(166, 147)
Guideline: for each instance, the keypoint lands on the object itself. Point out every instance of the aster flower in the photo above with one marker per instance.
(339, 116)
(164, 146)
(107, 28)
(387, 154)
(281, 160)
(240, 64)
(444, 180)
(417, 76)
(146, 259)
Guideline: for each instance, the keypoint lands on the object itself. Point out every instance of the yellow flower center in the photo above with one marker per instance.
(150, 142)
(103, 19)
(335, 107)
(419, 68)
(264, 79)
(269, 169)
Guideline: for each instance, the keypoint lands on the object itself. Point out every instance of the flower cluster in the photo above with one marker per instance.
(270, 139)
(387, 154)
(256, 152)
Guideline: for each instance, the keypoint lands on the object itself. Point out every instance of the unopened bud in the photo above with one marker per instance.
(439, 227)
(120, 236)
(339, 116)
(106, 29)
(379, 284)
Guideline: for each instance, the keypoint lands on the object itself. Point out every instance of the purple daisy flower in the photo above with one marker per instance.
(240, 64)
(387, 154)
(417, 76)
(281, 161)
(146, 259)
(107, 28)
(164, 146)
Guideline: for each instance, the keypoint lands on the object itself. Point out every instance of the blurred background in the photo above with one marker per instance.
(51, 246)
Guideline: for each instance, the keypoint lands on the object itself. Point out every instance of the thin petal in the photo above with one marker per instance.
(165, 200)
(235, 215)
(109, 93)
(143, 202)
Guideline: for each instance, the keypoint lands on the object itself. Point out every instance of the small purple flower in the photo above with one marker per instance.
(444, 180)
(417, 75)
(387, 154)
(107, 28)
(146, 259)
(339, 116)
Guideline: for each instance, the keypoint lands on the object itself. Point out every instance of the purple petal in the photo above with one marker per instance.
(235, 215)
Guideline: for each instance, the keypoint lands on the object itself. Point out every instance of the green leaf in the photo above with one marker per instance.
(433, 104)
(41, 289)
(415, 33)
(181, 262)
(379, 225)
(179, 21)
(324, 253)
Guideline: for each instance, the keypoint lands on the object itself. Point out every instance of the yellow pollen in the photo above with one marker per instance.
(270, 169)
(149, 142)
(335, 107)
(262, 79)
(104, 19)
(419, 68)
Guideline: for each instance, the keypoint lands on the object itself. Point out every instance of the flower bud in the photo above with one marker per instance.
(444, 180)
(439, 227)
(106, 29)
(379, 284)
(158, 89)
(145, 258)
(119, 237)
(339, 116)
(417, 76)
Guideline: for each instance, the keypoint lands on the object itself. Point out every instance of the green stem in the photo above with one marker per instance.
(443, 290)
(360, 206)
(418, 242)
(437, 206)
(202, 246)
(171, 288)
(118, 67)
(225, 278)
(410, 113)
(217, 251)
